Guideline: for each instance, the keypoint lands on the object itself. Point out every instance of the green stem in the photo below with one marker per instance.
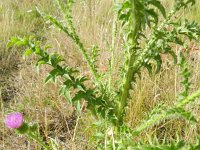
(114, 33)
(38, 140)
(76, 39)
(134, 63)
(134, 27)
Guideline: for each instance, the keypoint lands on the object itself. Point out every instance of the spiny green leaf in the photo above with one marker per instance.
(158, 5)
(27, 52)
(183, 113)
(17, 42)
(153, 14)
(158, 60)
(149, 68)
(188, 99)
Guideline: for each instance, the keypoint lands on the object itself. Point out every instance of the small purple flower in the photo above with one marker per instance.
(14, 120)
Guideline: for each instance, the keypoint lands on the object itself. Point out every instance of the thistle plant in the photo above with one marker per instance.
(16, 121)
(104, 99)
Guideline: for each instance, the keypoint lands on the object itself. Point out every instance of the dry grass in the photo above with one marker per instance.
(41, 103)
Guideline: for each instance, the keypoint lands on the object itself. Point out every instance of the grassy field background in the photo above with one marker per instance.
(22, 88)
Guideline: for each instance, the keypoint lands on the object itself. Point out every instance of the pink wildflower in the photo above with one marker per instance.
(14, 120)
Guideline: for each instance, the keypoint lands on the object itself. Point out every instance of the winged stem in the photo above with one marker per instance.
(135, 26)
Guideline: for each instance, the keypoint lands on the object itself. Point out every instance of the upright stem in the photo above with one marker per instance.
(134, 27)
(76, 39)
(38, 140)
(134, 65)
(112, 49)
